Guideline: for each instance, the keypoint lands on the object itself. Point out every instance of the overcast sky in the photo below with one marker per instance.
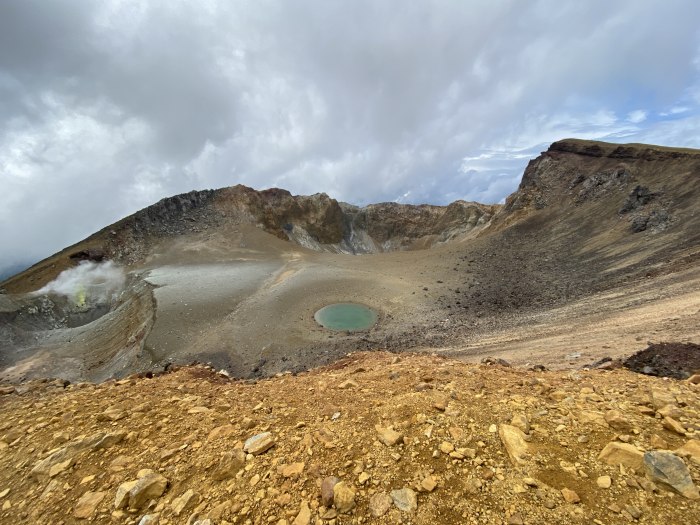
(106, 107)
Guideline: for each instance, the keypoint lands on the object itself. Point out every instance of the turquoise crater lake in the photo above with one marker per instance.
(346, 316)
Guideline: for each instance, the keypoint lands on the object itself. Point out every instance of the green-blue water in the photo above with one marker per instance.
(346, 316)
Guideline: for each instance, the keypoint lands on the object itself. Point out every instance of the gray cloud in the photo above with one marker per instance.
(106, 107)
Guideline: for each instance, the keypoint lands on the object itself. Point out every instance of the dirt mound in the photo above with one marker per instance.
(678, 360)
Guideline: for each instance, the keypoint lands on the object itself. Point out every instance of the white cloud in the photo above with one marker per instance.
(675, 110)
(637, 116)
(364, 101)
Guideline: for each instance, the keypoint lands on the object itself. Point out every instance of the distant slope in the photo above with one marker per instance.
(13, 269)
(587, 216)
(316, 222)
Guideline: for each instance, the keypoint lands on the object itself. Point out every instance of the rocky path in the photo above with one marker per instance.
(374, 438)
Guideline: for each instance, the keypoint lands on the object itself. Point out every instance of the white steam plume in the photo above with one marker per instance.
(88, 283)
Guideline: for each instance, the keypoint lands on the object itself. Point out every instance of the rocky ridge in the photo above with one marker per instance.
(316, 222)
(374, 438)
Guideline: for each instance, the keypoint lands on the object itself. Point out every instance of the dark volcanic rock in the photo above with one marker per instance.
(637, 198)
(678, 360)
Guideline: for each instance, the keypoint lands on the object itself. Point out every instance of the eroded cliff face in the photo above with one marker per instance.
(321, 223)
(640, 184)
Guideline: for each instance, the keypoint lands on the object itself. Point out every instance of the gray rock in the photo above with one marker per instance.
(669, 471)
(405, 499)
(259, 443)
(68, 455)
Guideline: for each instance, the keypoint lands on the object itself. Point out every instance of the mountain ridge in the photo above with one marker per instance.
(234, 276)
(321, 223)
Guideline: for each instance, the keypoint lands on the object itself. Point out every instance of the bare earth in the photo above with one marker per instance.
(465, 443)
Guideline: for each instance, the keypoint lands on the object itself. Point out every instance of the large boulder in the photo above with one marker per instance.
(668, 470)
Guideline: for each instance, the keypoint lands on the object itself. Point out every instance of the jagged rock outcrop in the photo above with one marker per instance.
(315, 221)
(576, 172)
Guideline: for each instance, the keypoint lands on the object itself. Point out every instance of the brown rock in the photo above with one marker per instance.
(87, 504)
(304, 515)
(61, 437)
(327, 490)
(592, 416)
(671, 411)
(516, 519)
(185, 502)
(221, 431)
(570, 496)
(657, 441)
(428, 484)
(58, 468)
(168, 453)
(230, 464)
(440, 405)
(291, 470)
(633, 511)
(121, 500)
(618, 421)
(388, 436)
(112, 414)
(456, 433)
(674, 426)
(446, 447)
(513, 440)
(661, 397)
(522, 422)
(379, 504)
(616, 453)
(343, 497)
(691, 450)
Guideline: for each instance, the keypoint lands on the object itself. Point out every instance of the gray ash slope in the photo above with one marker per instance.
(587, 217)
